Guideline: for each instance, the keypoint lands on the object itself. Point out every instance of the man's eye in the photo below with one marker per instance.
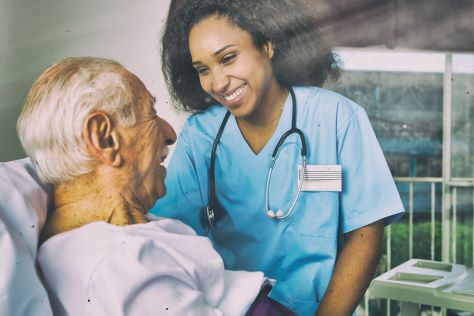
(228, 58)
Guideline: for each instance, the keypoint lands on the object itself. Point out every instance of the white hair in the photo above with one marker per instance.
(50, 124)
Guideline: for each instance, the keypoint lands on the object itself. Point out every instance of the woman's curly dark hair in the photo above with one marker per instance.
(302, 55)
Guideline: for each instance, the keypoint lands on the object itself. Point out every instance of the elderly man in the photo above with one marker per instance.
(91, 130)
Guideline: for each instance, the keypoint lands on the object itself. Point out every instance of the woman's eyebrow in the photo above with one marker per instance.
(222, 49)
(197, 62)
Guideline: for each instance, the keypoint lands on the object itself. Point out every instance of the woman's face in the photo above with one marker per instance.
(231, 69)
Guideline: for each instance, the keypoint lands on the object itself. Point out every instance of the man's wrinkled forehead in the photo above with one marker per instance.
(145, 107)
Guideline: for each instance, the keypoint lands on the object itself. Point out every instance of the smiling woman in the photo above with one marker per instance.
(239, 75)
(232, 69)
(253, 71)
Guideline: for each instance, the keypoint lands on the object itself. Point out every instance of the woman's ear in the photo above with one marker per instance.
(101, 138)
(269, 49)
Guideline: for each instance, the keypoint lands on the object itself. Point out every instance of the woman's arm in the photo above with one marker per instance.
(354, 270)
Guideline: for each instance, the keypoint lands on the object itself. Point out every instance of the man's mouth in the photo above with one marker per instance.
(164, 154)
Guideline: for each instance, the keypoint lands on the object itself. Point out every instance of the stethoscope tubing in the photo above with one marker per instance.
(211, 215)
(294, 130)
(274, 215)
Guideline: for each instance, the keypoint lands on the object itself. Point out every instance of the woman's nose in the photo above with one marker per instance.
(220, 81)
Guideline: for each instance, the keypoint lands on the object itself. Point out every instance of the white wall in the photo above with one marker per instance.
(36, 33)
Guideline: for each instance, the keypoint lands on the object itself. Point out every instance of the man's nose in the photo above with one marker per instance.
(170, 134)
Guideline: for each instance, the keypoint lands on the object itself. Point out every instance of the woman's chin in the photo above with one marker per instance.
(241, 112)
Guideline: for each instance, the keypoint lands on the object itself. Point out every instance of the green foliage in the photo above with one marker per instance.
(422, 241)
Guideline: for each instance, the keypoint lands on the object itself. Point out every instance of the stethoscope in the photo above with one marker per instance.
(210, 214)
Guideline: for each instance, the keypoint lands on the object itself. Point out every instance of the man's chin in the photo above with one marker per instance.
(161, 193)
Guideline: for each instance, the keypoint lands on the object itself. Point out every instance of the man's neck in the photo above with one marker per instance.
(86, 200)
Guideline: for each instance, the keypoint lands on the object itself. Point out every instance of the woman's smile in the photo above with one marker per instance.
(235, 98)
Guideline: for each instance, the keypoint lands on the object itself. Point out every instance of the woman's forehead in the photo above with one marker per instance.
(213, 33)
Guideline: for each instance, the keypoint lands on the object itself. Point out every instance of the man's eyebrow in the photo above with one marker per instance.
(215, 53)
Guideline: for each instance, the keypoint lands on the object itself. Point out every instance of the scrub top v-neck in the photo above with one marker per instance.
(283, 125)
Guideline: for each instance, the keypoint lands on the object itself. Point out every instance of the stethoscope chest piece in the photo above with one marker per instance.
(272, 214)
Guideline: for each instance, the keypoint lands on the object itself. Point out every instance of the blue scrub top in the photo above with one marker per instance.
(299, 251)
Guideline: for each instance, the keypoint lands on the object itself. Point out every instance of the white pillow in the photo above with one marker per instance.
(23, 208)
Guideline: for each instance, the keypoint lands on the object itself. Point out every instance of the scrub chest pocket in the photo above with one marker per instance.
(317, 214)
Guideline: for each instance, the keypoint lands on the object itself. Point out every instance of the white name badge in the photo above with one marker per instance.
(321, 178)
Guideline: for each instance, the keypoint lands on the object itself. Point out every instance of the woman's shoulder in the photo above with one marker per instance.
(210, 116)
(206, 122)
(327, 104)
(327, 98)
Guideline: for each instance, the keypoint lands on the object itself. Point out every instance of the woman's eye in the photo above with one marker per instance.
(202, 70)
(228, 59)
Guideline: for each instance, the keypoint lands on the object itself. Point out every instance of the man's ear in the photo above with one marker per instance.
(269, 49)
(101, 138)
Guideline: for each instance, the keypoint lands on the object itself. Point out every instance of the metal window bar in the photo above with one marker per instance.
(454, 225)
(446, 155)
(410, 218)
(389, 260)
(433, 228)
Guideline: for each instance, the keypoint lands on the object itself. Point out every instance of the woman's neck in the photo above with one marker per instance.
(269, 110)
(258, 128)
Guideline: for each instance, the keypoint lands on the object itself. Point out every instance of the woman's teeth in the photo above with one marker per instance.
(235, 95)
